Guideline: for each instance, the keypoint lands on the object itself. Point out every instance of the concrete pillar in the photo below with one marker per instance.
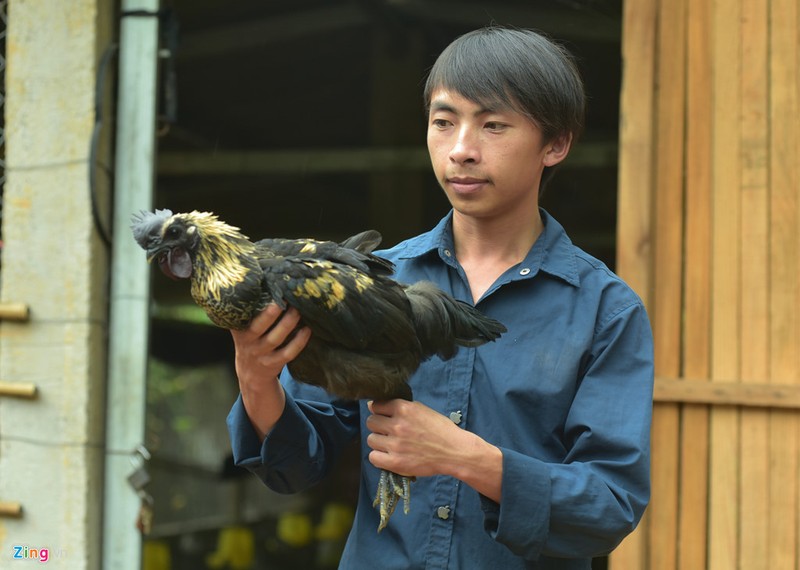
(51, 447)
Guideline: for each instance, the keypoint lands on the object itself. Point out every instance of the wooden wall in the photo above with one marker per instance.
(709, 235)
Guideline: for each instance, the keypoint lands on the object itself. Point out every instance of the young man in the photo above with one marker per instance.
(530, 452)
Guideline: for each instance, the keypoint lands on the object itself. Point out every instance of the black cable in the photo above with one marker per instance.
(102, 68)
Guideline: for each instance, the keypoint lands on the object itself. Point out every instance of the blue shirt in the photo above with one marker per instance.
(566, 394)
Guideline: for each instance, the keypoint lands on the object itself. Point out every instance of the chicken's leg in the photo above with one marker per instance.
(391, 488)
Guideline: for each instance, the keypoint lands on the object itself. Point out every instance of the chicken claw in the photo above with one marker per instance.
(391, 488)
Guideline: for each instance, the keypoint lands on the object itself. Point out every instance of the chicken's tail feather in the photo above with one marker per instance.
(365, 242)
(444, 323)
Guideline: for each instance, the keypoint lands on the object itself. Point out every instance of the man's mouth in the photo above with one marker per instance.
(466, 184)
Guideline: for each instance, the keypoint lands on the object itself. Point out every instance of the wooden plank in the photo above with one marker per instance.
(636, 147)
(727, 393)
(663, 516)
(784, 427)
(693, 526)
(666, 313)
(634, 194)
(726, 289)
(754, 271)
(668, 278)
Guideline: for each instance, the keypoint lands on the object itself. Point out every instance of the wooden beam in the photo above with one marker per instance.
(727, 393)
(292, 161)
(269, 31)
(370, 159)
(304, 24)
(565, 23)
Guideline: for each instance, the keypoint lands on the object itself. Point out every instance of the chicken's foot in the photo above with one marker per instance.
(391, 489)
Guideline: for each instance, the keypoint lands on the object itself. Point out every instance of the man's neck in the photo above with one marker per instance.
(500, 240)
(488, 248)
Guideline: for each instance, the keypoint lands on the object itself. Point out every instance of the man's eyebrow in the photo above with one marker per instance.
(441, 106)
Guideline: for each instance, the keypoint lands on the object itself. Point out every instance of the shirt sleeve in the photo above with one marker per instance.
(304, 443)
(585, 505)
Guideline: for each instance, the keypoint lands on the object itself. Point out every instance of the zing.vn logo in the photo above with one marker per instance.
(20, 552)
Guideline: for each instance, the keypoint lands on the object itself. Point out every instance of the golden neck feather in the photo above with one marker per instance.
(224, 255)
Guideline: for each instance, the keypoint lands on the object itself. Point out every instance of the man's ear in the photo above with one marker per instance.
(558, 149)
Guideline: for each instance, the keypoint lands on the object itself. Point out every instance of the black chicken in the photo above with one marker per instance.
(369, 332)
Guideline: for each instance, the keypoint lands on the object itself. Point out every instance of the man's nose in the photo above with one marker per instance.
(465, 148)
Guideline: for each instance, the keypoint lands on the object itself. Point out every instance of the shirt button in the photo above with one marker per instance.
(456, 417)
(443, 512)
(524, 271)
(447, 253)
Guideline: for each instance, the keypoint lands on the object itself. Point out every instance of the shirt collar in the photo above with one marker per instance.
(553, 253)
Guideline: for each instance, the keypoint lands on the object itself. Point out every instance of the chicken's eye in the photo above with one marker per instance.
(173, 232)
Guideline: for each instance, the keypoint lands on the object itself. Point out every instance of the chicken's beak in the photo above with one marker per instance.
(174, 262)
(156, 248)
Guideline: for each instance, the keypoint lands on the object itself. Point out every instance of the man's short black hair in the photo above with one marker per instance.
(518, 69)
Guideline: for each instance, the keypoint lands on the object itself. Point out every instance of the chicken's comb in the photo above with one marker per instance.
(145, 224)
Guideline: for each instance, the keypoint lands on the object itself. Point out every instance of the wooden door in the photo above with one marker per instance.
(709, 235)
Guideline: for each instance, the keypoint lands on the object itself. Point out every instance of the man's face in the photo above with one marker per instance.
(488, 161)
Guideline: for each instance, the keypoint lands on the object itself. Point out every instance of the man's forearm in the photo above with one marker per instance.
(264, 407)
(480, 465)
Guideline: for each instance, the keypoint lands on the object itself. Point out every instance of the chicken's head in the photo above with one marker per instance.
(172, 239)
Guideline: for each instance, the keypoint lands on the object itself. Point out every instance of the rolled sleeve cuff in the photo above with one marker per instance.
(287, 460)
(522, 519)
(245, 444)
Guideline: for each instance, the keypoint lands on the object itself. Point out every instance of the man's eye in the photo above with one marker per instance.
(495, 126)
(440, 123)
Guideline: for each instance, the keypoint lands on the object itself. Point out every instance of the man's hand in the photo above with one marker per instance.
(411, 439)
(262, 350)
